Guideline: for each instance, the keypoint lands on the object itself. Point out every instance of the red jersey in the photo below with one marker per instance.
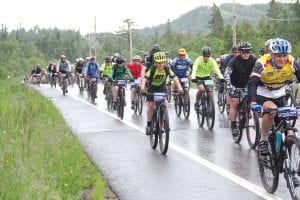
(135, 69)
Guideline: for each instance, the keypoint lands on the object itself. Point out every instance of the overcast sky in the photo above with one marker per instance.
(109, 14)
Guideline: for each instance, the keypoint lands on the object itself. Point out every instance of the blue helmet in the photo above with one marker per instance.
(280, 46)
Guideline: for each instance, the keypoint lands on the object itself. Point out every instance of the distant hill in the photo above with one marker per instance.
(196, 21)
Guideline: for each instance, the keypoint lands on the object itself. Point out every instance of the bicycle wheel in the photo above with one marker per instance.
(64, 85)
(178, 105)
(140, 104)
(269, 173)
(186, 105)
(164, 130)
(221, 102)
(121, 103)
(240, 126)
(210, 112)
(201, 113)
(154, 133)
(292, 167)
(291, 101)
(252, 129)
(93, 93)
(169, 92)
(135, 97)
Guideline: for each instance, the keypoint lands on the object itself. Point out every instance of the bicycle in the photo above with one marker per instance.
(92, 86)
(109, 95)
(120, 98)
(284, 152)
(64, 82)
(246, 121)
(80, 83)
(182, 102)
(290, 99)
(137, 97)
(160, 129)
(169, 89)
(207, 105)
(53, 78)
(221, 97)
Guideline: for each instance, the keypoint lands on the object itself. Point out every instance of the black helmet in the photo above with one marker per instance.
(245, 46)
(235, 48)
(206, 51)
(156, 48)
(108, 59)
(120, 60)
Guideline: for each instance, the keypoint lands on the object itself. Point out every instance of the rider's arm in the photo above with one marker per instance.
(69, 66)
(195, 67)
(228, 72)
(216, 69)
(254, 80)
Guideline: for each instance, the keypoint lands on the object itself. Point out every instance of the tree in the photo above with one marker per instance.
(216, 22)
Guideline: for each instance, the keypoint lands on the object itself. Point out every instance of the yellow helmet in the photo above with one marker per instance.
(181, 51)
(159, 57)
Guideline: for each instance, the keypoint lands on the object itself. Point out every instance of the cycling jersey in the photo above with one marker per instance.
(119, 72)
(157, 77)
(92, 69)
(63, 66)
(106, 69)
(180, 67)
(238, 71)
(135, 69)
(79, 67)
(272, 79)
(204, 69)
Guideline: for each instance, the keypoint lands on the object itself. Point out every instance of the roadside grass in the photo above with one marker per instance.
(39, 157)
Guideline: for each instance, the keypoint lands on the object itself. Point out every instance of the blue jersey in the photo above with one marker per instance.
(92, 69)
(180, 67)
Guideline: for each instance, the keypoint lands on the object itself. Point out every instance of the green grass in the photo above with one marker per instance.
(39, 157)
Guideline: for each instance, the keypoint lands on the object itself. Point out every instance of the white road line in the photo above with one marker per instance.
(226, 174)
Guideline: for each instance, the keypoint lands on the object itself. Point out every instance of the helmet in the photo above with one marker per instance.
(206, 51)
(92, 57)
(156, 48)
(120, 60)
(280, 46)
(38, 65)
(62, 56)
(234, 48)
(108, 59)
(136, 57)
(262, 51)
(268, 42)
(80, 59)
(167, 54)
(159, 57)
(88, 58)
(245, 46)
(116, 54)
(181, 51)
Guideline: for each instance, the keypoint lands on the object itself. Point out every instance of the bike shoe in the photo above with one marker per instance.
(263, 148)
(148, 130)
(235, 132)
(197, 106)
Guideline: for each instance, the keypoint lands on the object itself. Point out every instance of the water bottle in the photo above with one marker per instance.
(278, 140)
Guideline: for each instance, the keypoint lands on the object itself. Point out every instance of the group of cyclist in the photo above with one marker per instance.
(263, 79)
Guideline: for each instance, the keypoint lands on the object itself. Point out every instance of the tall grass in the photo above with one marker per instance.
(39, 157)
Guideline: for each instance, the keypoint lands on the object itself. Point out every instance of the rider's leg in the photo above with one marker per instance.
(233, 112)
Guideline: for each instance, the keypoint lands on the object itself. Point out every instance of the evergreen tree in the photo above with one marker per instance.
(216, 22)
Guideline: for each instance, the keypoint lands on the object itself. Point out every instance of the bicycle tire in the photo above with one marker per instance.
(135, 97)
(201, 113)
(240, 126)
(291, 101)
(121, 103)
(221, 102)
(93, 93)
(186, 105)
(164, 130)
(252, 142)
(154, 133)
(140, 104)
(169, 92)
(178, 105)
(64, 87)
(268, 171)
(291, 165)
(210, 112)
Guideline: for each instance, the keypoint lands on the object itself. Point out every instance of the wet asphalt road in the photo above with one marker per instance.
(200, 164)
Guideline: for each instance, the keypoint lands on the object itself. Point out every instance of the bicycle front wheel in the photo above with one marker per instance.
(186, 105)
(292, 167)
(201, 113)
(140, 104)
(252, 129)
(221, 102)
(210, 112)
(154, 134)
(240, 126)
(178, 105)
(164, 130)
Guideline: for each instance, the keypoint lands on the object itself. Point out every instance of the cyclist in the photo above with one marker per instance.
(181, 65)
(234, 53)
(118, 72)
(149, 60)
(63, 66)
(202, 68)
(106, 70)
(169, 59)
(156, 77)
(135, 68)
(79, 69)
(237, 75)
(92, 70)
(268, 81)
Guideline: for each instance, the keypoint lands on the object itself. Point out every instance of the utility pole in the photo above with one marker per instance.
(233, 24)
(95, 38)
(129, 23)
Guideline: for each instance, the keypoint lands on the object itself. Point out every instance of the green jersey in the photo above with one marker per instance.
(204, 69)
